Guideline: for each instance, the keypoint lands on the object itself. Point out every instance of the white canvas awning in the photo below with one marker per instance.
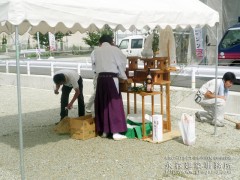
(89, 15)
(21, 16)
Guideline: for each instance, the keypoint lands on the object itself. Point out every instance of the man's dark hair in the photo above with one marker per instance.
(59, 78)
(229, 76)
(106, 38)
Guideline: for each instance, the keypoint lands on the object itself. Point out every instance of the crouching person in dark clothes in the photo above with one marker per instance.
(69, 79)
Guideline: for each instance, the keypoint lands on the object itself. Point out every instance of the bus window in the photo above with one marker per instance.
(232, 38)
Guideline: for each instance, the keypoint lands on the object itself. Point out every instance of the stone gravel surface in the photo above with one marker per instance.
(51, 156)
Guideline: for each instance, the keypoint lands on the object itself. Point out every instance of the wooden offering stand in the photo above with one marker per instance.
(160, 70)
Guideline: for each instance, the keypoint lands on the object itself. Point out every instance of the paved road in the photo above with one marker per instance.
(177, 80)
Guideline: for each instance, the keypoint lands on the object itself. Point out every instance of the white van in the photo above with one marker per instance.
(132, 45)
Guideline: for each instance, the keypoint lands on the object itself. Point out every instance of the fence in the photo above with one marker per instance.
(51, 65)
(84, 68)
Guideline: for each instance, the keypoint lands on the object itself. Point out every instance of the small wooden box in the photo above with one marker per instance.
(140, 76)
(155, 63)
(162, 63)
(132, 62)
(150, 63)
(157, 76)
(125, 85)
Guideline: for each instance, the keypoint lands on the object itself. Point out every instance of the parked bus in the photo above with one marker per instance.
(229, 47)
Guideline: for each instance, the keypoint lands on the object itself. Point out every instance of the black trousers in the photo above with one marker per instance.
(65, 98)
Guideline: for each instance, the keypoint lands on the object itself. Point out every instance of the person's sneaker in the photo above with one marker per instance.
(197, 117)
(88, 110)
(118, 137)
(218, 124)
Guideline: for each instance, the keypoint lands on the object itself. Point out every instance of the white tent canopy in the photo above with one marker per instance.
(89, 15)
(21, 16)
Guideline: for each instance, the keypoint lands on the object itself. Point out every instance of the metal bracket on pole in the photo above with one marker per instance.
(7, 68)
(28, 68)
(193, 78)
(52, 69)
(79, 68)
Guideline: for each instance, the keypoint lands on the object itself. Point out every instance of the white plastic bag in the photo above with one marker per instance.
(187, 129)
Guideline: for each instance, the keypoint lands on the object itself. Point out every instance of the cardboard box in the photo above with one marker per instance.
(82, 128)
(125, 85)
(63, 126)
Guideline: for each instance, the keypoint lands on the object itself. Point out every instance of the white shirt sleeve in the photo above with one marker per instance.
(121, 61)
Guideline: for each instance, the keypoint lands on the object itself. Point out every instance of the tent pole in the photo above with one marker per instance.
(216, 77)
(19, 105)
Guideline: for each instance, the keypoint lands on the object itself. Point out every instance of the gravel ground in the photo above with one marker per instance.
(51, 156)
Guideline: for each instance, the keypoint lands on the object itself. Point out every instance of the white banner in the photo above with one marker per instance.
(52, 43)
(198, 42)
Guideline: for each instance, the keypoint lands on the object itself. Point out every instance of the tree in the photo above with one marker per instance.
(44, 40)
(28, 43)
(92, 38)
(4, 40)
(4, 43)
(155, 42)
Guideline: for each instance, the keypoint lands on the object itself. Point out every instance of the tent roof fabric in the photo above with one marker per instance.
(89, 15)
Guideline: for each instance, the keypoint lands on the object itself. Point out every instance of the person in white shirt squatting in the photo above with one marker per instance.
(206, 95)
